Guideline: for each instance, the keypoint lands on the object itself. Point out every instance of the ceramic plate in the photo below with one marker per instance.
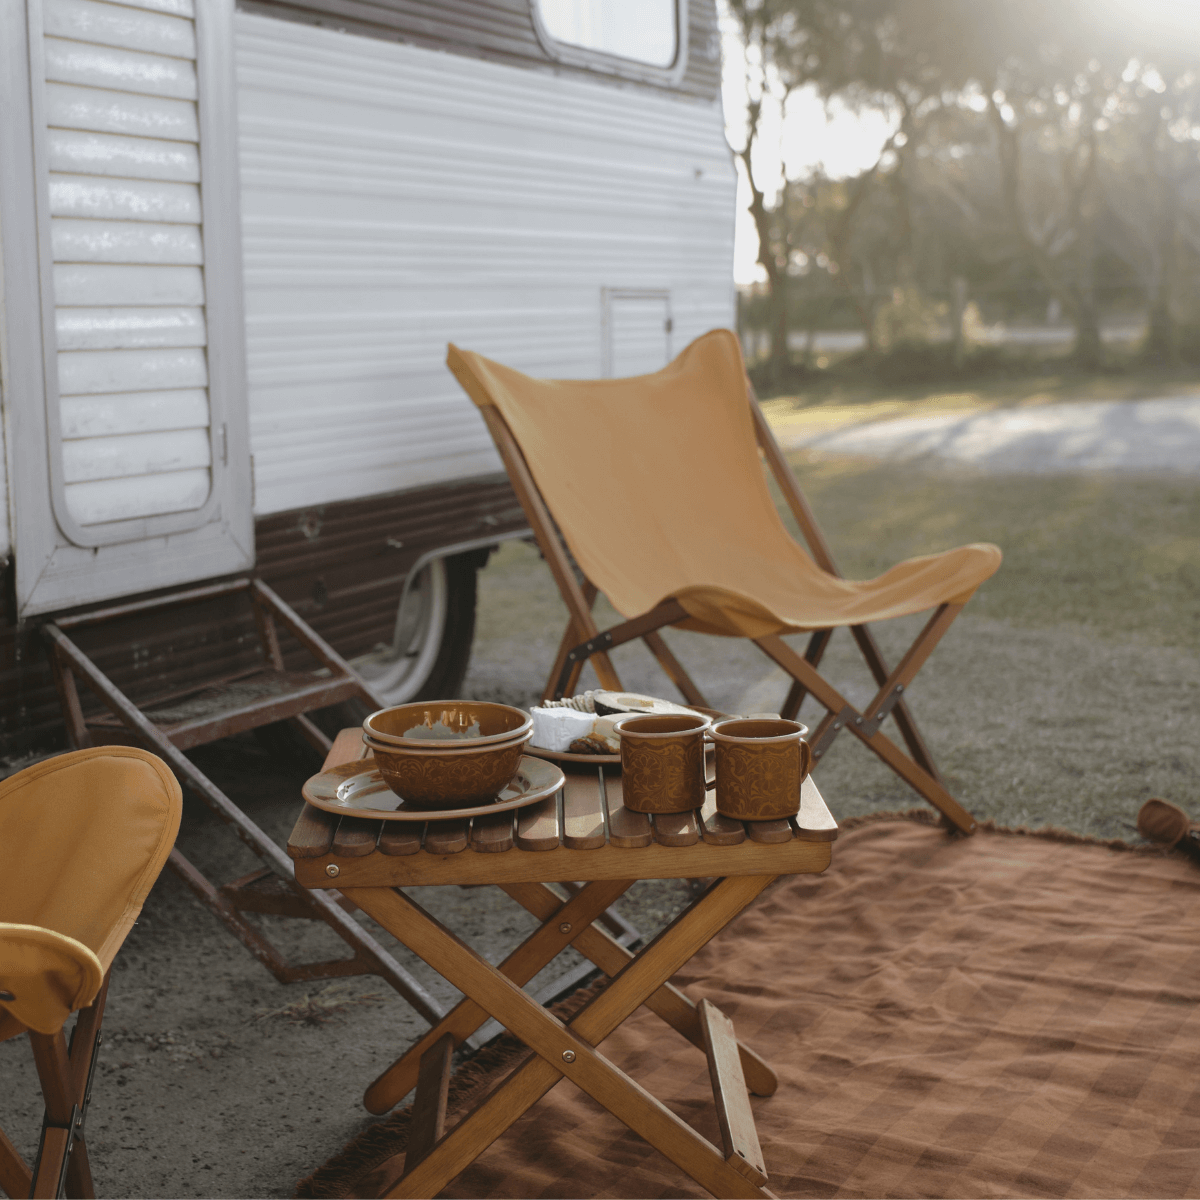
(358, 790)
(606, 760)
(598, 760)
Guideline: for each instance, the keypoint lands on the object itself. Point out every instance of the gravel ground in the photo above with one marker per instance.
(217, 1081)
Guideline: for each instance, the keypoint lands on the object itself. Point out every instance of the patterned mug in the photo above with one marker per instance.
(662, 762)
(761, 763)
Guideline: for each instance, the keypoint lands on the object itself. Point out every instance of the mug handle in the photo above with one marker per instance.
(805, 760)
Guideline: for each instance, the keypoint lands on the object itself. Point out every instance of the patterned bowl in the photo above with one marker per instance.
(452, 776)
(439, 724)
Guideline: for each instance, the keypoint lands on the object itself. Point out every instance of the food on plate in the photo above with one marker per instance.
(592, 744)
(557, 728)
(623, 703)
(584, 724)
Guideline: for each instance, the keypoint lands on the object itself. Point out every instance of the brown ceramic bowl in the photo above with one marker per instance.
(455, 776)
(444, 748)
(438, 724)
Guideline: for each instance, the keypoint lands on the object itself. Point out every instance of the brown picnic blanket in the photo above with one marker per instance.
(1001, 1015)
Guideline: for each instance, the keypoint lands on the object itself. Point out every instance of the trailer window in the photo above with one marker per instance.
(642, 31)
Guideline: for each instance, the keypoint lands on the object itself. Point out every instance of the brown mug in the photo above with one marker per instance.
(662, 761)
(761, 763)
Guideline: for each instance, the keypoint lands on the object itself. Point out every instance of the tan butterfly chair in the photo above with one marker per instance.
(656, 486)
(82, 839)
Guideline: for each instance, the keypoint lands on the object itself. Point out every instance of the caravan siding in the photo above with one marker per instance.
(395, 198)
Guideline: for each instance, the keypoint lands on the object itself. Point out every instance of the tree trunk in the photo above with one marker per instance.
(1077, 295)
(957, 314)
(1089, 347)
(1161, 345)
(840, 236)
(778, 360)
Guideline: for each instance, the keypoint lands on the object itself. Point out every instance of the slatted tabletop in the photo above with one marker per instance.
(583, 832)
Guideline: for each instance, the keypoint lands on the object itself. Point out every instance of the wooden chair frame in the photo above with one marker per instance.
(273, 888)
(583, 641)
(65, 1072)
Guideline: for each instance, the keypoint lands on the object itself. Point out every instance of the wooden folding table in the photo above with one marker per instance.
(585, 834)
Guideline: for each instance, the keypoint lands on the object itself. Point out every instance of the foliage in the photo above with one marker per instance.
(1042, 151)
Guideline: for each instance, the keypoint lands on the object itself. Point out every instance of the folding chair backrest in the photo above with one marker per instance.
(84, 836)
(655, 481)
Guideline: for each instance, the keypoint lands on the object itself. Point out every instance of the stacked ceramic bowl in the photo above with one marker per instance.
(442, 754)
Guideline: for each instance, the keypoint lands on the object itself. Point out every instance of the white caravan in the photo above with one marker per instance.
(233, 246)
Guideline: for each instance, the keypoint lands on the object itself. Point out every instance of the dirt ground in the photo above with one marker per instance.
(1067, 694)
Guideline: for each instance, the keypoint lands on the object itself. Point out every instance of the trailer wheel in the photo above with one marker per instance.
(435, 625)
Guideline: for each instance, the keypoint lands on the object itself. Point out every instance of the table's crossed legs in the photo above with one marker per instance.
(569, 1049)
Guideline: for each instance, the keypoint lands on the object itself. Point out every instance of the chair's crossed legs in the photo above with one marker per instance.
(917, 771)
(65, 1073)
(567, 1050)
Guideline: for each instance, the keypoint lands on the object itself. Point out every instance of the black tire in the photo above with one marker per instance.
(444, 681)
(445, 677)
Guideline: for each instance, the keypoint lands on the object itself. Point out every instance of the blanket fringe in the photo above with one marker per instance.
(1050, 833)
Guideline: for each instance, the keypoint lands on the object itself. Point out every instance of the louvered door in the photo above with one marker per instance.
(133, 152)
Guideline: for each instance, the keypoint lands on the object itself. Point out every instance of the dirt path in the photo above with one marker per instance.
(1161, 435)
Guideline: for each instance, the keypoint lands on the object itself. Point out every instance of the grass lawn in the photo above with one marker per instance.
(1117, 554)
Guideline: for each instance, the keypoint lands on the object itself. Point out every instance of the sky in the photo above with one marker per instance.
(840, 141)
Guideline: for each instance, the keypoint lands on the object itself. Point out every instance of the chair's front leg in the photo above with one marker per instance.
(66, 1078)
(61, 1116)
(571, 636)
(15, 1176)
(865, 725)
(818, 643)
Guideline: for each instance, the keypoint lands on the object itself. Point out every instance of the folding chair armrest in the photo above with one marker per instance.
(44, 977)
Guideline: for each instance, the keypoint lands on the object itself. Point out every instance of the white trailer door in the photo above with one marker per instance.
(122, 340)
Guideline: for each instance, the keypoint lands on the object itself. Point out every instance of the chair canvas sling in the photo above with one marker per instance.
(83, 837)
(213, 709)
(653, 488)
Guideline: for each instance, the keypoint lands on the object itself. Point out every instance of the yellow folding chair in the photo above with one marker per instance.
(83, 837)
(655, 486)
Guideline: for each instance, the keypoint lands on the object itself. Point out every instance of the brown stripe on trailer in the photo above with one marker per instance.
(340, 566)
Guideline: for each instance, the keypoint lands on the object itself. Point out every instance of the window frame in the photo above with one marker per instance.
(57, 566)
(131, 529)
(615, 64)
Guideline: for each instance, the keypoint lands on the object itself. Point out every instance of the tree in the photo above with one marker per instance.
(885, 54)
(1049, 138)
